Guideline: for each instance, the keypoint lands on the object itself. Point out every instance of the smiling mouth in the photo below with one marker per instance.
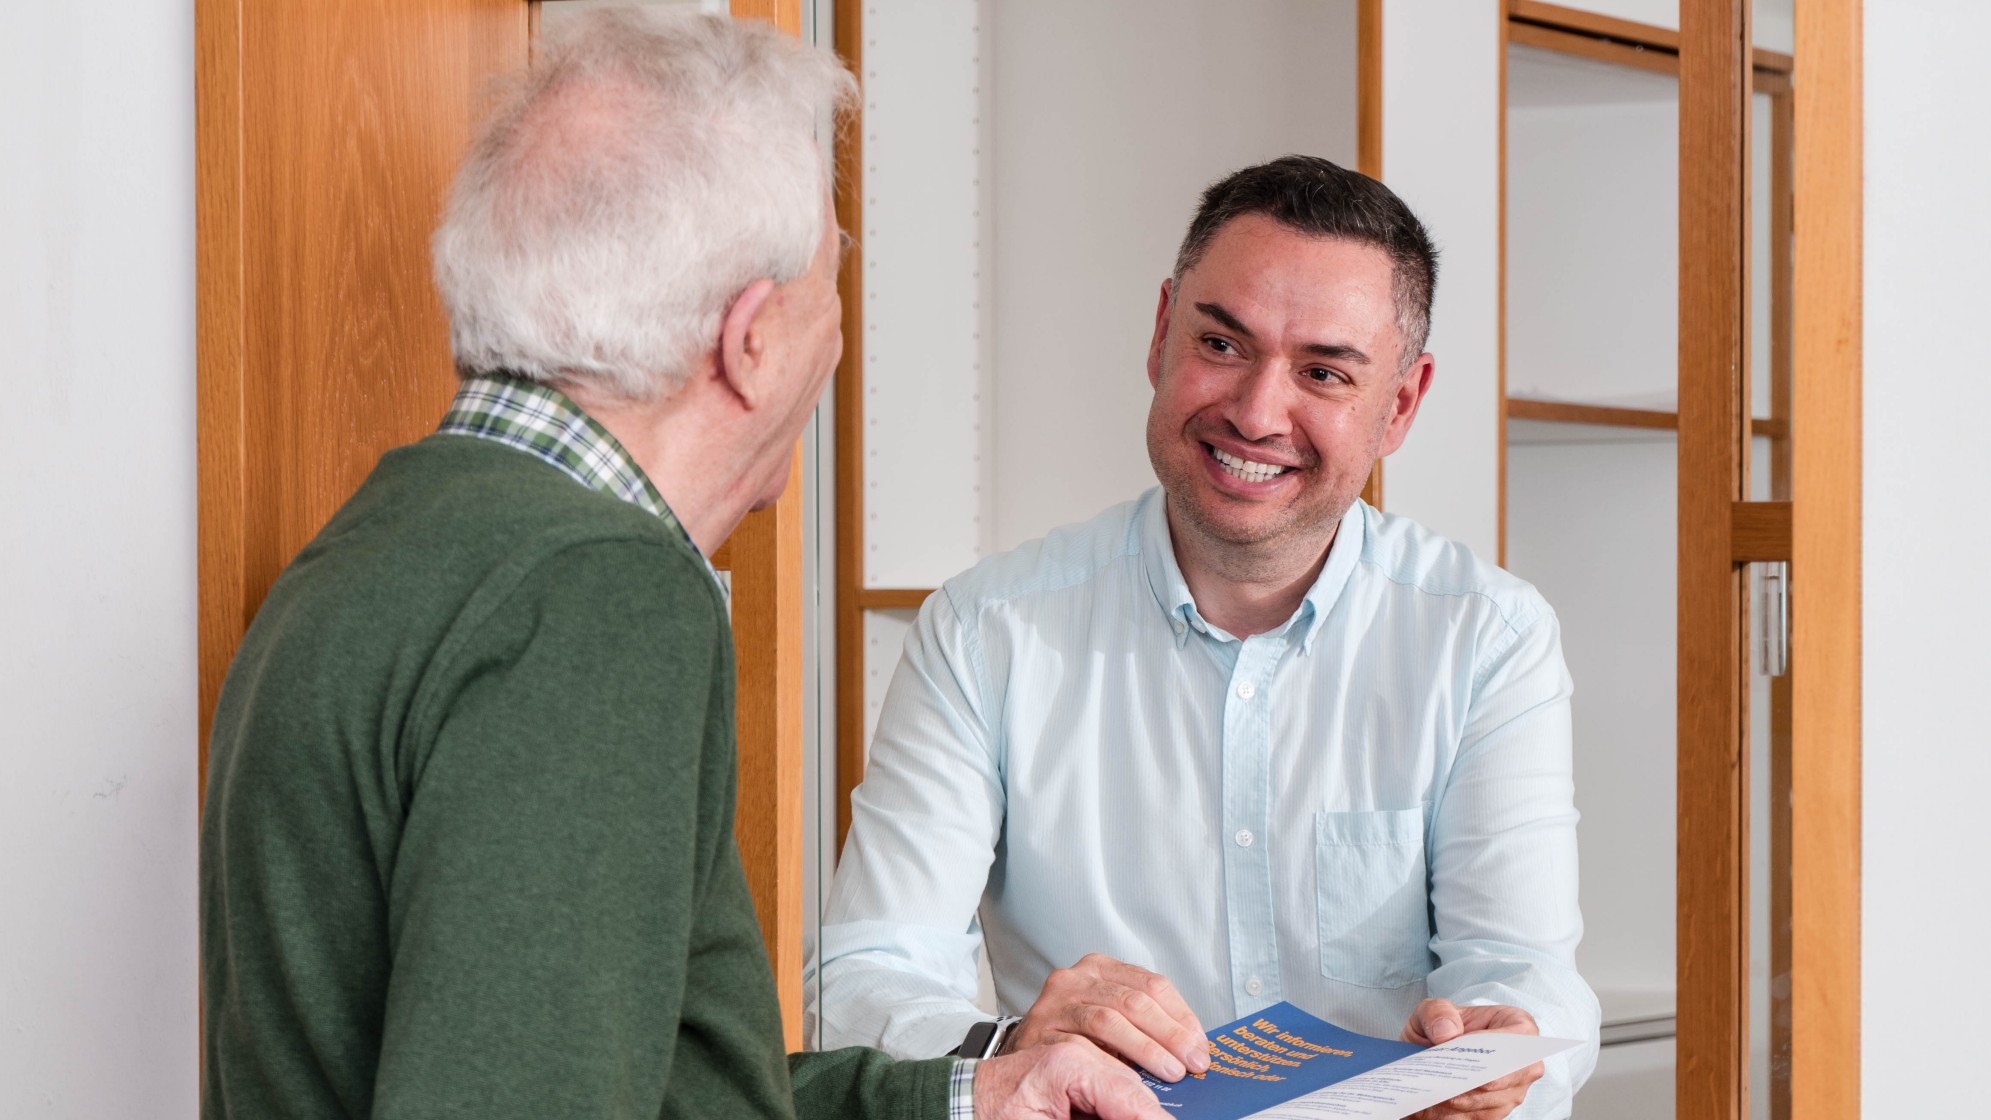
(1245, 470)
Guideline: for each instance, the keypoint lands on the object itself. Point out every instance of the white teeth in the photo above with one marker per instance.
(1245, 469)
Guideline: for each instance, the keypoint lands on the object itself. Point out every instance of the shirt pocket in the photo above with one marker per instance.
(1375, 918)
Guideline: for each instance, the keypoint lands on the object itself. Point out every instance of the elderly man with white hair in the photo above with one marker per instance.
(468, 846)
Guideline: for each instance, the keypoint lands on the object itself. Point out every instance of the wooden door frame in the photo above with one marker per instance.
(1817, 532)
(1814, 428)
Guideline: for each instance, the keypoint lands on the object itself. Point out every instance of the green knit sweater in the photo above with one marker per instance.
(468, 842)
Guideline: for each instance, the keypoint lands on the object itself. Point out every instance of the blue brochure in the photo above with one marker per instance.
(1269, 1058)
(1283, 1064)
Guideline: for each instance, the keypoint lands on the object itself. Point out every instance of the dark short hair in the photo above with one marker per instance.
(1323, 199)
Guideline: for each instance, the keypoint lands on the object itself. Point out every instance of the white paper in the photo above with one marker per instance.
(1423, 1079)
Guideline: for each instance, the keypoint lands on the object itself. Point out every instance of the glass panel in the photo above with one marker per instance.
(1592, 270)
(1769, 372)
(1769, 400)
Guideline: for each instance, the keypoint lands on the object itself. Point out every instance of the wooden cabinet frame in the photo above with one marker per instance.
(1814, 462)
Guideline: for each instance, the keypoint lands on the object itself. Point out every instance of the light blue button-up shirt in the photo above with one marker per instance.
(1370, 803)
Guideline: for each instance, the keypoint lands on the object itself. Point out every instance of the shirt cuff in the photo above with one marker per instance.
(961, 1091)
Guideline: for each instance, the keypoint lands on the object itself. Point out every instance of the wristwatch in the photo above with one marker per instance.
(985, 1039)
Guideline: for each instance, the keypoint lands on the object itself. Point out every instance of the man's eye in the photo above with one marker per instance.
(1221, 346)
(1323, 375)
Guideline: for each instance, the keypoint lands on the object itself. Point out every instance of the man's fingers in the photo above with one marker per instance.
(1119, 1096)
(1151, 1003)
(1111, 1030)
(1435, 1021)
(1070, 1076)
(1153, 1019)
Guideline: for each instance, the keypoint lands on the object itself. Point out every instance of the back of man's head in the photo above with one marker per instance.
(626, 190)
(1319, 198)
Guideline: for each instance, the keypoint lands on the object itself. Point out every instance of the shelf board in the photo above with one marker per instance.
(1566, 412)
(1608, 416)
(891, 598)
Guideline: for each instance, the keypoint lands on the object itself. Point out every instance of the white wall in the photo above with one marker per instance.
(1926, 897)
(98, 991)
(1110, 118)
(1441, 154)
(1030, 167)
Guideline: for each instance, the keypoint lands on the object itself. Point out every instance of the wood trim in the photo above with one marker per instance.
(849, 38)
(766, 565)
(893, 598)
(1781, 207)
(1609, 416)
(1826, 456)
(1759, 531)
(1369, 88)
(220, 317)
(1771, 63)
(1369, 143)
(1775, 83)
(1568, 412)
(1712, 1056)
(785, 14)
(1500, 321)
(1613, 51)
(1780, 687)
(765, 556)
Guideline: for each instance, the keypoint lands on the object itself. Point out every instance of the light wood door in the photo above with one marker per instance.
(1813, 877)
(326, 137)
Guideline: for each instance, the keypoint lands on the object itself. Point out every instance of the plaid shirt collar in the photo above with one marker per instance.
(542, 422)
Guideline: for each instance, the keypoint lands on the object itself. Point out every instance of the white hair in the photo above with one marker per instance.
(626, 190)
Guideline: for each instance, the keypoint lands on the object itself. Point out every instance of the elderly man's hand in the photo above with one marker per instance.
(1124, 1009)
(1437, 1020)
(1059, 1080)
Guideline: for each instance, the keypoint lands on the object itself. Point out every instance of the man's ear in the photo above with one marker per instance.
(743, 342)
(1161, 334)
(1410, 390)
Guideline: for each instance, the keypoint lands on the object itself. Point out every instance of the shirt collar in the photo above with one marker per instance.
(1172, 591)
(546, 424)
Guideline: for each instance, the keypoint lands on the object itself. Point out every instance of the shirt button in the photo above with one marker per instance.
(1247, 690)
(1253, 986)
(1179, 627)
(1243, 838)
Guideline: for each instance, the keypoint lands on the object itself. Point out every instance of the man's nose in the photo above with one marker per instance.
(1259, 408)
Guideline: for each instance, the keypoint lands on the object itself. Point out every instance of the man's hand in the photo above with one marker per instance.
(1058, 1080)
(1125, 1010)
(1437, 1020)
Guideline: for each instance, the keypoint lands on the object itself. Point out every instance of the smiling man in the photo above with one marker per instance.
(1242, 740)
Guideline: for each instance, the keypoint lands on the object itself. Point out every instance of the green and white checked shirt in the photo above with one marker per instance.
(545, 424)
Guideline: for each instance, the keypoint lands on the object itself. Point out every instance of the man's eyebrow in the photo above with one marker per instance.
(1229, 321)
(1319, 349)
(1338, 353)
